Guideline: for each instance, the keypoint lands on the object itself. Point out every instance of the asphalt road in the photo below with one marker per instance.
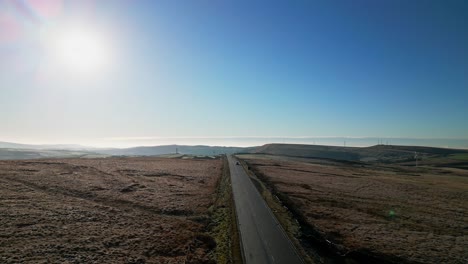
(263, 240)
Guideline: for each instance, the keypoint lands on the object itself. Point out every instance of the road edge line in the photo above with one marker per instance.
(235, 213)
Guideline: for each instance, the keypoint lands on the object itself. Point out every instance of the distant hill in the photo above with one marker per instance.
(24, 151)
(378, 153)
(412, 149)
(15, 154)
(168, 149)
(49, 146)
(316, 151)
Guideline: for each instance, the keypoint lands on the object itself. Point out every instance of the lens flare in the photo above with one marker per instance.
(46, 8)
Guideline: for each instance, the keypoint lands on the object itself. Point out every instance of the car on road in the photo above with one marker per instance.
(237, 163)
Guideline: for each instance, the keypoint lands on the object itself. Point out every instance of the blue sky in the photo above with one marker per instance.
(238, 69)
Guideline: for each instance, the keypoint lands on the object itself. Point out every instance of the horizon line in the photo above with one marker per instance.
(142, 138)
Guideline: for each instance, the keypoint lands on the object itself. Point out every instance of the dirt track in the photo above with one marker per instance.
(131, 210)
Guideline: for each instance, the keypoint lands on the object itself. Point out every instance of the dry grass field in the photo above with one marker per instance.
(389, 213)
(112, 210)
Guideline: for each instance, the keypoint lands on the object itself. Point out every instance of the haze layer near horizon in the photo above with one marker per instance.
(243, 142)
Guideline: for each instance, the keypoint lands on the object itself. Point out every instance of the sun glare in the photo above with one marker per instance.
(79, 50)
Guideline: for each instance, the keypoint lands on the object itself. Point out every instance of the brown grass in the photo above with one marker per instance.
(392, 213)
(116, 210)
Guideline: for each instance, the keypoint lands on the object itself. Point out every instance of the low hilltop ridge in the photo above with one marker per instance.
(309, 151)
(377, 153)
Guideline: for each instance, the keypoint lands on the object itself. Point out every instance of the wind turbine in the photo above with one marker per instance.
(416, 157)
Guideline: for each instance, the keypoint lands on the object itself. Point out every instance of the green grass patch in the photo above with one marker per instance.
(460, 156)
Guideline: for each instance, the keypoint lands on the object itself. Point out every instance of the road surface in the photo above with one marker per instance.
(263, 240)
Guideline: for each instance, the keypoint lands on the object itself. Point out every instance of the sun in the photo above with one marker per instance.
(79, 49)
